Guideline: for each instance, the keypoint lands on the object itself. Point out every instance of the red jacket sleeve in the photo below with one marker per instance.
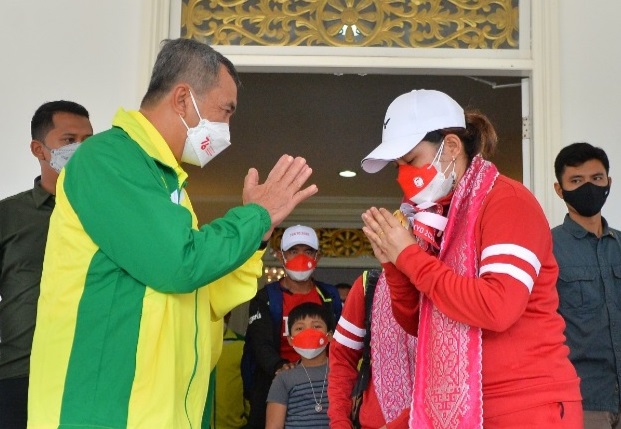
(404, 298)
(345, 352)
(512, 237)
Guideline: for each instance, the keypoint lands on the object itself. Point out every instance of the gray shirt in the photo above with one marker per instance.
(293, 389)
(589, 288)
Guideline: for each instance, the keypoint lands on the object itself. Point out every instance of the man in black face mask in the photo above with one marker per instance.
(588, 253)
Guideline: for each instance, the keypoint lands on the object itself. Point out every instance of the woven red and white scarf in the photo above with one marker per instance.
(393, 351)
(447, 387)
(393, 354)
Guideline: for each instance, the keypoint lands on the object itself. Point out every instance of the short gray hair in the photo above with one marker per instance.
(186, 60)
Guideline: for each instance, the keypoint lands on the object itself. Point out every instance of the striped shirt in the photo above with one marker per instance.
(301, 391)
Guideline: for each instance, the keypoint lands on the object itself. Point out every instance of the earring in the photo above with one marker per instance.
(453, 175)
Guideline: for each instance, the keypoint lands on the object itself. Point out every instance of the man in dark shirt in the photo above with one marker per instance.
(57, 129)
(588, 253)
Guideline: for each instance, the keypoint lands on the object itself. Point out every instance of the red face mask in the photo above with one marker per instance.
(309, 342)
(300, 267)
(414, 180)
(426, 184)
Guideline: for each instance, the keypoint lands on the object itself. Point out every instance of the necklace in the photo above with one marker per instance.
(318, 406)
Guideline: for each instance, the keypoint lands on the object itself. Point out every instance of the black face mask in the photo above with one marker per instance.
(588, 199)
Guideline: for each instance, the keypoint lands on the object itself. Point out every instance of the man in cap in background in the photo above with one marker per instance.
(266, 337)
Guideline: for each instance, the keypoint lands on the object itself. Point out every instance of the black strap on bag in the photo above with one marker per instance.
(364, 372)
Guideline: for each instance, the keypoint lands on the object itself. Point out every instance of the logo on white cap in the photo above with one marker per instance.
(299, 234)
(408, 119)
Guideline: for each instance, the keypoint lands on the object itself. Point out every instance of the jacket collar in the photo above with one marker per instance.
(40, 195)
(149, 138)
(575, 229)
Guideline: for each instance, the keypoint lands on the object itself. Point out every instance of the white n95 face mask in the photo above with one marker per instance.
(61, 156)
(204, 141)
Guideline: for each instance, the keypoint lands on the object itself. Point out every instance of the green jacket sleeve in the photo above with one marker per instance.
(122, 199)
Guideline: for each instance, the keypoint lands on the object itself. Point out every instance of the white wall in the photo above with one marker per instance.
(591, 85)
(98, 53)
(87, 51)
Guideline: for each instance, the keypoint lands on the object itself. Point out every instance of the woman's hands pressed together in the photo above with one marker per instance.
(386, 234)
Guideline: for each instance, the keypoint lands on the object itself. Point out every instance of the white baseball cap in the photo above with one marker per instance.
(408, 120)
(299, 235)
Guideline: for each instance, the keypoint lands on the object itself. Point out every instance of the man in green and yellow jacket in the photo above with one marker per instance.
(133, 291)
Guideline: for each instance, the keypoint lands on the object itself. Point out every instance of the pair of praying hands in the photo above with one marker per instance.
(387, 236)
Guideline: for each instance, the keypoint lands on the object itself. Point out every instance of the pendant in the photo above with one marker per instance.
(318, 408)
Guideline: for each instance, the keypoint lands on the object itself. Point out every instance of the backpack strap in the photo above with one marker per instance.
(329, 293)
(274, 297)
(369, 279)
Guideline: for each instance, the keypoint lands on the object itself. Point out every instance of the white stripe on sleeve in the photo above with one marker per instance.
(512, 270)
(342, 339)
(351, 328)
(513, 250)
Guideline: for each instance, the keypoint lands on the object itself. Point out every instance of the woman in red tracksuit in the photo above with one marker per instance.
(474, 282)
